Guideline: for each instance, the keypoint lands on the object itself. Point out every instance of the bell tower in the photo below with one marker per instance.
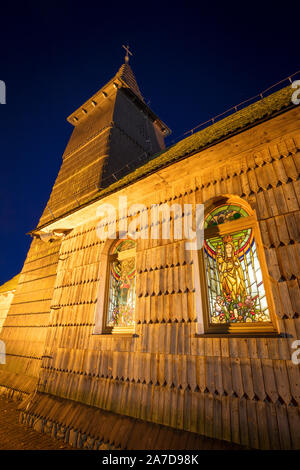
(113, 130)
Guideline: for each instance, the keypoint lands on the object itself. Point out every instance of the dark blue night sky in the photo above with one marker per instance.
(192, 61)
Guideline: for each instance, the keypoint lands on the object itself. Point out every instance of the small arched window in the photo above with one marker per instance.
(121, 287)
(234, 280)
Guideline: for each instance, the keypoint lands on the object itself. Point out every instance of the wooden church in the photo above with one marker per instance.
(138, 342)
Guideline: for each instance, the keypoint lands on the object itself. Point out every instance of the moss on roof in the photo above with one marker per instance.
(10, 285)
(236, 122)
(227, 126)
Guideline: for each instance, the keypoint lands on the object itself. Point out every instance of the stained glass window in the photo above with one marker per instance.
(122, 274)
(224, 213)
(236, 290)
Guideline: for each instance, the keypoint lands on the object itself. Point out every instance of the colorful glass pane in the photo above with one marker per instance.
(235, 286)
(224, 213)
(122, 285)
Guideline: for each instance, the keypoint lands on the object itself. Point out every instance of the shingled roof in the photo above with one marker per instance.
(240, 120)
(273, 104)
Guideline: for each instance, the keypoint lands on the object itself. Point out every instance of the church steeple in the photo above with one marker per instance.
(113, 129)
(125, 73)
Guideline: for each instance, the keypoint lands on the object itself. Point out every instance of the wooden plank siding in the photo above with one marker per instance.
(25, 328)
(244, 390)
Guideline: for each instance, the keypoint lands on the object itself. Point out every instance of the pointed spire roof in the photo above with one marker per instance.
(124, 79)
(126, 74)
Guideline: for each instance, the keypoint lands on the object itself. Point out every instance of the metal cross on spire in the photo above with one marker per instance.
(128, 52)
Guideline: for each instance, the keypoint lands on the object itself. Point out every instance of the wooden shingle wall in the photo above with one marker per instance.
(79, 176)
(243, 390)
(87, 427)
(5, 301)
(25, 327)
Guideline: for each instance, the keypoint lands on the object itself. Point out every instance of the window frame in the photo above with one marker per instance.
(101, 327)
(229, 228)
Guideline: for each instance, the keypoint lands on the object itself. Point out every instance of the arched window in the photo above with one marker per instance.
(235, 290)
(121, 287)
